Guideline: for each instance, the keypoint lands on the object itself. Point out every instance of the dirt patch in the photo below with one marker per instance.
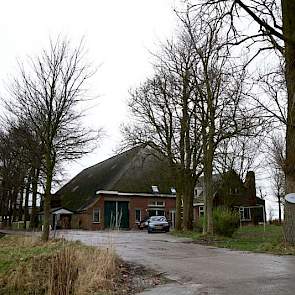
(136, 278)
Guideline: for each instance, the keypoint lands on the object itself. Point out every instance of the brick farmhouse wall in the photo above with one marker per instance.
(84, 219)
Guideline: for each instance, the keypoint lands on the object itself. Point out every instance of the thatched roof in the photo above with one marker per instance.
(133, 171)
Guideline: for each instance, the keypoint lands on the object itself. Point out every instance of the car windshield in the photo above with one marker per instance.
(158, 218)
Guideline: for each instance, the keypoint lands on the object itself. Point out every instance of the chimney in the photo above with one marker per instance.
(251, 187)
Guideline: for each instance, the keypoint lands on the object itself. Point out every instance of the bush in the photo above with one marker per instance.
(198, 226)
(225, 221)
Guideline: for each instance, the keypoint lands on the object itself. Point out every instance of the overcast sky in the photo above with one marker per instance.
(118, 35)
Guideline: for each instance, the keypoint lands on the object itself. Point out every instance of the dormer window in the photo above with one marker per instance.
(173, 190)
(198, 191)
(155, 189)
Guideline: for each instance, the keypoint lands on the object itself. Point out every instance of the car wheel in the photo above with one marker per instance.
(149, 231)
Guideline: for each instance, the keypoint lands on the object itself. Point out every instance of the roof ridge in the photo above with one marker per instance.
(124, 169)
(85, 170)
(112, 157)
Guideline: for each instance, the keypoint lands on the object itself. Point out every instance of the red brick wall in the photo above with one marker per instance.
(84, 220)
(143, 202)
(196, 213)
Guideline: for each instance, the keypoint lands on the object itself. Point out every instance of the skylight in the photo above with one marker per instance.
(173, 190)
(155, 189)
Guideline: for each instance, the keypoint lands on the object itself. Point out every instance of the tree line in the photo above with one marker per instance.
(42, 128)
(204, 110)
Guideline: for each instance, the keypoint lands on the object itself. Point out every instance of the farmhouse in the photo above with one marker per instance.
(135, 184)
(119, 192)
(231, 192)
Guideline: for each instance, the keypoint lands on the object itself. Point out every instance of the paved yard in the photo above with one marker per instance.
(198, 269)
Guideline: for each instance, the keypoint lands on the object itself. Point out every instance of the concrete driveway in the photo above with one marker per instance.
(197, 269)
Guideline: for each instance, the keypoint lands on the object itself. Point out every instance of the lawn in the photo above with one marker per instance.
(30, 266)
(247, 238)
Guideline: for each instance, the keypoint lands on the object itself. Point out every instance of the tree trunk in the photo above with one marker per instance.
(10, 208)
(20, 208)
(288, 8)
(178, 223)
(188, 204)
(33, 219)
(208, 185)
(14, 210)
(280, 208)
(26, 205)
(47, 199)
(208, 154)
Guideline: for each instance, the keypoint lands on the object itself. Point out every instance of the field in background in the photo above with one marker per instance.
(247, 238)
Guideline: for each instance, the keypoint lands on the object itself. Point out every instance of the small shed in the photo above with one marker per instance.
(59, 217)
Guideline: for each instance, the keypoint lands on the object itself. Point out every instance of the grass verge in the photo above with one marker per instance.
(58, 267)
(248, 238)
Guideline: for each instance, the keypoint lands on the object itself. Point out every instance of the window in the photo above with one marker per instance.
(95, 215)
(201, 211)
(156, 213)
(155, 189)
(157, 204)
(198, 191)
(245, 213)
(173, 190)
(137, 215)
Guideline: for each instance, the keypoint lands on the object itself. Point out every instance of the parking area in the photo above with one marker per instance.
(197, 269)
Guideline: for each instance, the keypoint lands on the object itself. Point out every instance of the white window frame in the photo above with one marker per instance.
(155, 189)
(160, 204)
(93, 212)
(242, 213)
(201, 211)
(139, 214)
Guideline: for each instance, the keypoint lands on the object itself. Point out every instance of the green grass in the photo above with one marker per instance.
(247, 238)
(15, 250)
(30, 266)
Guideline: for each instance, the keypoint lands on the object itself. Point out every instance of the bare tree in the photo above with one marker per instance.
(275, 25)
(278, 185)
(240, 154)
(195, 102)
(163, 114)
(276, 159)
(13, 171)
(47, 95)
(220, 94)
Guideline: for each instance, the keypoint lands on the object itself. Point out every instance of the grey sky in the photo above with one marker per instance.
(118, 35)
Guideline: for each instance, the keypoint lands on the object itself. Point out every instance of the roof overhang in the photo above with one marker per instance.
(103, 192)
(62, 211)
(198, 204)
(59, 210)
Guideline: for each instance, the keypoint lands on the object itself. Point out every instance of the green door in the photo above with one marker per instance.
(116, 214)
(123, 214)
(109, 214)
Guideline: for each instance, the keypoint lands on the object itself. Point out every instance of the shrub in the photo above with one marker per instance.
(225, 221)
(198, 226)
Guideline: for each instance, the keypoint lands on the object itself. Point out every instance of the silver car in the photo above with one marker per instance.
(158, 223)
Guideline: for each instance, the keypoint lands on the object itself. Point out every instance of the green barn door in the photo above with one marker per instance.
(116, 214)
(109, 214)
(124, 214)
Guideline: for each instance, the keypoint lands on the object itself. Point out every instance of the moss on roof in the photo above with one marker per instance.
(134, 171)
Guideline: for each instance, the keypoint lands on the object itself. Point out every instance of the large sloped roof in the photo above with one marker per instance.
(133, 171)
